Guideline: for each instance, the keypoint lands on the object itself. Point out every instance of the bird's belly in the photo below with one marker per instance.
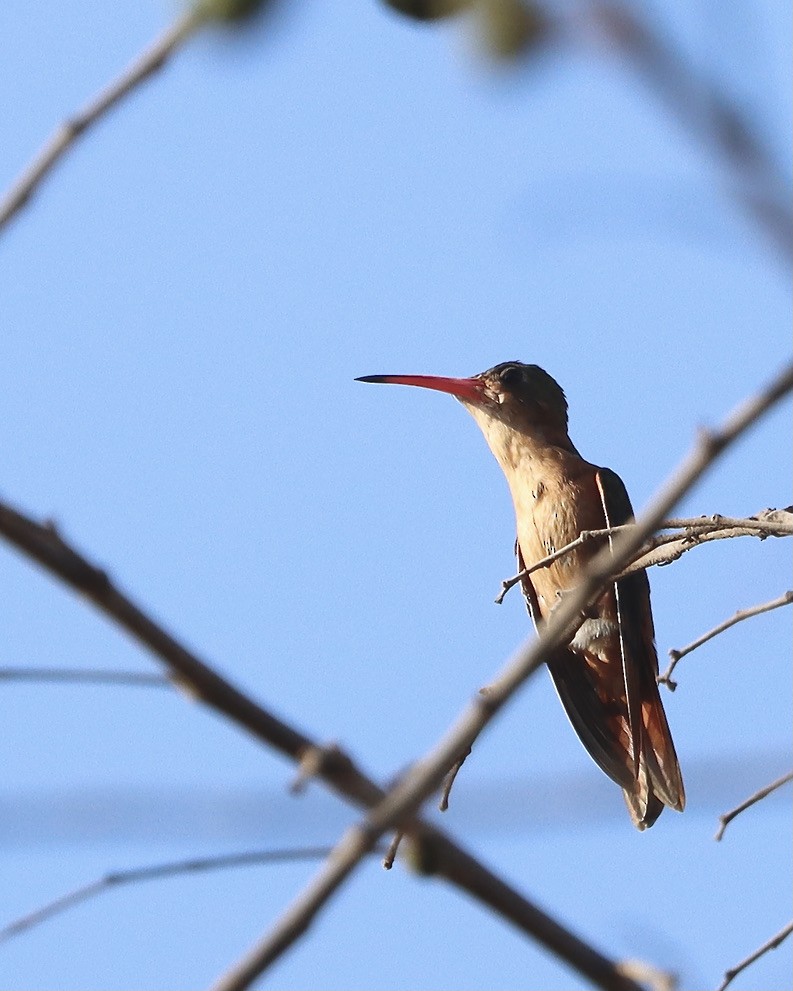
(596, 636)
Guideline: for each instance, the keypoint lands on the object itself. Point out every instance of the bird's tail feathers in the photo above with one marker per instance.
(603, 725)
(658, 752)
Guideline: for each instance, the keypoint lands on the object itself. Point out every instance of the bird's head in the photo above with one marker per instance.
(524, 398)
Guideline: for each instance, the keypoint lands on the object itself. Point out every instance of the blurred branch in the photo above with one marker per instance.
(43, 543)
(676, 655)
(758, 796)
(86, 676)
(115, 879)
(772, 944)
(703, 108)
(404, 799)
(668, 547)
(428, 858)
(510, 29)
(65, 137)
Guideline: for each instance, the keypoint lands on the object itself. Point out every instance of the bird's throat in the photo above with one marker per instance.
(526, 452)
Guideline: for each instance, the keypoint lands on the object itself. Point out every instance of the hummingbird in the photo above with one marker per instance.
(606, 676)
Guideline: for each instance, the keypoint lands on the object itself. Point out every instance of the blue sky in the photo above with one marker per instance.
(186, 305)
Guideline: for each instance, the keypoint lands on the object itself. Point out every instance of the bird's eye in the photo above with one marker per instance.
(510, 376)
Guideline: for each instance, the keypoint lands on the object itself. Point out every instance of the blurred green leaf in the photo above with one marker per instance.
(229, 10)
(428, 10)
(510, 28)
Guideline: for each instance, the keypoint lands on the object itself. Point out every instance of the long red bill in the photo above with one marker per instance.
(467, 389)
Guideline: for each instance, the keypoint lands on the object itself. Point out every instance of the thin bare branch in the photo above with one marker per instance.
(664, 548)
(402, 802)
(86, 676)
(66, 136)
(448, 781)
(775, 522)
(667, 548)
(676, 655)
(758, 796)
(772, 944)
(44, 544)
(115, 879)
(391, 852)
(585, 537)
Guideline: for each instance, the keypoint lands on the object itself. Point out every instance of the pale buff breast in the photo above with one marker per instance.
(548, 515)
(554, 495)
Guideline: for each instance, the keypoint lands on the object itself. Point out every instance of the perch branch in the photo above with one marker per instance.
(664, 548)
